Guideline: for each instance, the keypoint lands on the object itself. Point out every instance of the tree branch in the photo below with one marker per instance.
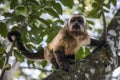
(6, 61)
(43, 70)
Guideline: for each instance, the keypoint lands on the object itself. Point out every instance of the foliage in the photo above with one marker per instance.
(36, 19)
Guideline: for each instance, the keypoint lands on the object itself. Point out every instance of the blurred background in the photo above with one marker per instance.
(39, 21)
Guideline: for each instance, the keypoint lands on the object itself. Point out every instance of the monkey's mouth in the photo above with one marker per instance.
(76, 27)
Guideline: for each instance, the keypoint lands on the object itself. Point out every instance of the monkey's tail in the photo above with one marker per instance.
(24, 51)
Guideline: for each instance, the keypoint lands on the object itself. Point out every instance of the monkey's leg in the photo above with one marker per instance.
(71, 58)
(61, 59)
(54, 63)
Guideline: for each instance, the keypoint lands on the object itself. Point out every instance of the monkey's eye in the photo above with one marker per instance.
(72, 20)
(80, 20)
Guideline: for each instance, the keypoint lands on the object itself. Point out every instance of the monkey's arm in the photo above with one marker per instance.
(94, 42)
(61, 59)
(24, 51)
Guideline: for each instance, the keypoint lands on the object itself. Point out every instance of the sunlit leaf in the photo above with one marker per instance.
(87, 51)
(52, 12)
(79, 54)
(44, 21)
(20, 8)
(68, 3)
(91, 22)
(3, 29)
(57, 7)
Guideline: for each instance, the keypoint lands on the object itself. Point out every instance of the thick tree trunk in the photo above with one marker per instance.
(99, 64)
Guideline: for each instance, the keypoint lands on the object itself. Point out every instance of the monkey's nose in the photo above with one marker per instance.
(76, 27)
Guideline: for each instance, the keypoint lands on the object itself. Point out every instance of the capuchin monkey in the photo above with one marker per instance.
(62, 49)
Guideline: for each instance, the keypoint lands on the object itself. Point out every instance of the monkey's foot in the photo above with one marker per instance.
(65, 66)
(71, 61)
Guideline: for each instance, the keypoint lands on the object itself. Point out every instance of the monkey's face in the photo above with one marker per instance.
(77, 24)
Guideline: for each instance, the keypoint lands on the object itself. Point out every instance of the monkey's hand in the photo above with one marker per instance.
(65, 65)
(101, 44)
(13, 33)
(98, 43)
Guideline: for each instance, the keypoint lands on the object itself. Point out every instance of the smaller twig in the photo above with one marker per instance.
(6, 60)
(43, 70)
(104, 21)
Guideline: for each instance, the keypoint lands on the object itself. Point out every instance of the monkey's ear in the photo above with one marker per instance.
(67, 22)
(87, 25)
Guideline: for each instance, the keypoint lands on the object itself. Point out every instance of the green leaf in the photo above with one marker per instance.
(1, 1)
(44, 63)
(83, 52)
(19, 18)
(59, 21)
(107, 5)
(52, 12)
(13, 4)
(2, 50)
(8, 67)
(79, 54)
(114, 2)
(3, 29)
(33, 2)
(31, 63)
(15, 28)
(1, 62)
(20, 8)
(96, 9)
(0, 44)
(90, 22)
(105, 10)
(7, 14)
(87, 51)
(57, 7)
(68, 3)
(44, 21)
(18, 56)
